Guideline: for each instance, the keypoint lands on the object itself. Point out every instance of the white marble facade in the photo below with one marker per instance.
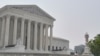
(28, 26)
(59, 44)
(27, 22)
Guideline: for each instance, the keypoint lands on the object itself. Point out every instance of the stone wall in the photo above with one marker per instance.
(29, 54)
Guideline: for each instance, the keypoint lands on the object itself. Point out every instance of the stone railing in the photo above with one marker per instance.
(29, 54)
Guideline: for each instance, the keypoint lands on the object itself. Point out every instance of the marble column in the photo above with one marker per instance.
(15, 30)
(28, 34)
(51, 35)
(35, 36)
(7, 30)
(41, 36)
(46, 35)
(43, 39)
(3, 30)
(22, 30)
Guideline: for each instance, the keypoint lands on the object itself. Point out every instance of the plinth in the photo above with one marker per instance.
(87, 51)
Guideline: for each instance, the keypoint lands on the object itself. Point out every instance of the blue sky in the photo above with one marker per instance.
(73, 17)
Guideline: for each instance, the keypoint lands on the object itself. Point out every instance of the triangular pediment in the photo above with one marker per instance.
(34, 9)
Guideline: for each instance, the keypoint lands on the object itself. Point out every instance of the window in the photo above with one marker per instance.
(52, 48)
(56, 48)
(49, 48)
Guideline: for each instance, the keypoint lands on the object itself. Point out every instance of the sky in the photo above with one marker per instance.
(73, 17)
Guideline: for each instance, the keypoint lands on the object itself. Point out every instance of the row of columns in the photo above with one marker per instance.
(5, 32)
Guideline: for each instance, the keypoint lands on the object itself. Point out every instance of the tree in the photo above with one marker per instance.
(95, 45)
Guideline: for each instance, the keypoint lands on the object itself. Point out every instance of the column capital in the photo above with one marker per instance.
(51, 25)
(36, 22)
(29, 20)
(23, 19)
(8, 16)
(47, 25)
(41, 23)
(15, 17)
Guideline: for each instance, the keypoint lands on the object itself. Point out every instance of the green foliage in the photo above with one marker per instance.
(95, 45)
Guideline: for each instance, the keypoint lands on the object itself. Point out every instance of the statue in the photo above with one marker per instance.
(86, 38)
(17, 48)
(87, 49)
(19, 41)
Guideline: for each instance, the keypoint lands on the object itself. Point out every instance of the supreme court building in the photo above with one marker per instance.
(29, 27)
